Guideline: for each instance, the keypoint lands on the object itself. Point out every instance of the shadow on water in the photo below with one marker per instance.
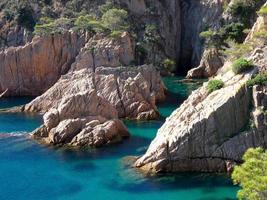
(180, 181)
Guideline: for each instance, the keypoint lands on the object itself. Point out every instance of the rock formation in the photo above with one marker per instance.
(210, 132)
(196, 16)
(210, 63)
(132, 91)
(83, 107)
(193, 137)
(101, 51)
(33, 68)
(82, 119)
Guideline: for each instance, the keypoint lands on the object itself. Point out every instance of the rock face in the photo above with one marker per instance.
(202, 135)
(101, 51)
(132, 91)
(196, 15)
(83, 107)
(209, 65)
(33, 68)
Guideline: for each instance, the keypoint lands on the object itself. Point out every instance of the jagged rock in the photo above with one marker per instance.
(133, 91)
(33, 68)
(101, 51)
(82, 119)
(209, 65)
(201, 134)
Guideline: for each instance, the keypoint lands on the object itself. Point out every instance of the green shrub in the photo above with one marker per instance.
(261, 34)
(252, 175)
(151, 33)
(213, 39)
(259, 79)
(115, 19)
(168, 64)
(214, 85)
(116, 34)
(243, 10)
(234, 31)
(48, 26)
(25, 17)
(241, 65)
(262, 11)
(88, 23)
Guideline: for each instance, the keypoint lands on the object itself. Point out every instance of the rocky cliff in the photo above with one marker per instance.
(210, 132)
(33, 68)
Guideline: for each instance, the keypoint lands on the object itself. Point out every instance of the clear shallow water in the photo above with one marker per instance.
(30, 171)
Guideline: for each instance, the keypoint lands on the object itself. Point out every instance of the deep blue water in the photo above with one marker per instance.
(30, 171)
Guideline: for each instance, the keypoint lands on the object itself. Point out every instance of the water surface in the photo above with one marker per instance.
(29, 171)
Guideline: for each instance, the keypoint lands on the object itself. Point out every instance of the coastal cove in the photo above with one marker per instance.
(32, 171)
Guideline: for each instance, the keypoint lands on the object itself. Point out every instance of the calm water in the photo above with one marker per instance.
(30, 171)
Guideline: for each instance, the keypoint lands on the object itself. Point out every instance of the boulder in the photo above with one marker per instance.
(209, 65)
(81, 119)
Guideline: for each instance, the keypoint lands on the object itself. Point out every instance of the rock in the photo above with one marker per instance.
(101, 51)
(81, 119)
(209, 65)
(133, 91)
(196, 16)
(83, 107)
(33, 68)
(202, 134)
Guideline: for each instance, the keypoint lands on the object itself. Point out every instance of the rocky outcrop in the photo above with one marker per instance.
(82, 119)
(33, 68)
(204, 133)
(83, 107)
(210, 63)
(101, 51)
(133, 91)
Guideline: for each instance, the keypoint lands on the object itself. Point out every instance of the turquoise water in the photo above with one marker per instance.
(30, 171)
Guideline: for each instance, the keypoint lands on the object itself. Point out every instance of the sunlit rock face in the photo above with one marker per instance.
(31, 69)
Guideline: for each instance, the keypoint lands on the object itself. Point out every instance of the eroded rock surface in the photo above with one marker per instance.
(33, 68)
(82, 119)
(83, 107)
(209, 65)
(101, 51)
(195, 136)
(133, 91)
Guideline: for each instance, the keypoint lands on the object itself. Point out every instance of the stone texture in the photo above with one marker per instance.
(195, 136)
(210, 63)
(133, 91)
(83, 107)
(81, 119)
(196, 16)
(101, 51)
(33, 68)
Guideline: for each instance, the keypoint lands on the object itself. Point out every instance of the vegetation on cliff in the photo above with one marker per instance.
(252, 175)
